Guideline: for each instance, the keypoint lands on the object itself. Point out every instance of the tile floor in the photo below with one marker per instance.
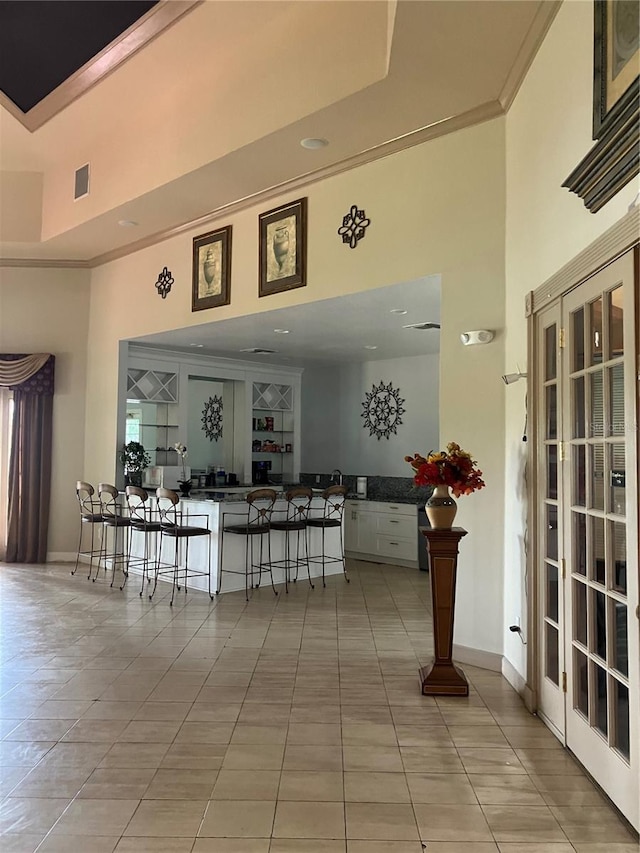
(289, 725)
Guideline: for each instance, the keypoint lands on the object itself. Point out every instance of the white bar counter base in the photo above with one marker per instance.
(234, 545)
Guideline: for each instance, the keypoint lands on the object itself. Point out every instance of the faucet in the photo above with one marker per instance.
(336, 476)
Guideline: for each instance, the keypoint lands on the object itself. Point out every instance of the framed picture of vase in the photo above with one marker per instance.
(211, 282)
(283, 248)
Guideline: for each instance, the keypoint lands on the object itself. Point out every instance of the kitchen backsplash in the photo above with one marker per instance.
(399, 489)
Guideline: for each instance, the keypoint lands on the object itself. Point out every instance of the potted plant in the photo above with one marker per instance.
(135, 459)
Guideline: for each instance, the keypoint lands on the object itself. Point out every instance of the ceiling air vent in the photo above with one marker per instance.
(422, 326)
(82, 182)
(259, 350)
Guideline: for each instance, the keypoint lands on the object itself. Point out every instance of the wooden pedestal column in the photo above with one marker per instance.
(442, 677)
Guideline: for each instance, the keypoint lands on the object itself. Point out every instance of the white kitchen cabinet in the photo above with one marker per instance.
(381, 532)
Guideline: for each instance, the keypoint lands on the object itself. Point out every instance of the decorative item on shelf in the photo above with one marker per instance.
(383, 410)
(354, 226)
(453, 469)
(164, 282)
(184, 484)
(212, 418)
(211, 275)
(269, 424)
(283, 248)
(135, 459)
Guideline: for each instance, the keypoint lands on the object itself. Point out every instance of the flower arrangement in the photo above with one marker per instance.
(454, 468)
(181, 450)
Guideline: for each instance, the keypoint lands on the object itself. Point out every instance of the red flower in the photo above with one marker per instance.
(454, 468)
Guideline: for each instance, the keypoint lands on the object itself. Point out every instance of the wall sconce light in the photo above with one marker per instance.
(510, 378)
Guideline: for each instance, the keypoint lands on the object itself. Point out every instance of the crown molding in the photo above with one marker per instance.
(140, 33)
(544, 17)
(485, 112)
(603, 251)
(45, 263)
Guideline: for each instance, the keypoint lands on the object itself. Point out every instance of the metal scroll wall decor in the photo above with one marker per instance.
(383, 410)
(212, 418)
(354, 226)
(164, 282)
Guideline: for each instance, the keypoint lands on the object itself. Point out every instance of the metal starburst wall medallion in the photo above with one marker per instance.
(353, 227)
(212, 418)
(164, 282)
(383, 410)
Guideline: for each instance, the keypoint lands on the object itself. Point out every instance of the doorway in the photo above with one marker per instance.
(587, 528)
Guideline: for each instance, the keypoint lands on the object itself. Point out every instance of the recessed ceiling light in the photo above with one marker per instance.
(281, 331)
(314, 143)
(196, 345)
(127, 223)
(397, 311)
(368, 346)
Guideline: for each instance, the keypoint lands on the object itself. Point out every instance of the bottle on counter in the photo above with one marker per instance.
(221, 479)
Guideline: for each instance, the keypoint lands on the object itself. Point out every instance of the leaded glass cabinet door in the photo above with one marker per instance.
(550, 508)
(600, 400)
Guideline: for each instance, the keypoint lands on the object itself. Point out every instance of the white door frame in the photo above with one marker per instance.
(619, 239)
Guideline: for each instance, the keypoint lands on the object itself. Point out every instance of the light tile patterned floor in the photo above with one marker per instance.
(289, 725)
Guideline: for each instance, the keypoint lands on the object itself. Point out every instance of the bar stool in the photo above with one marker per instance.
(91, 517)
(294, 522)
(114, 519)
(172, 525)
(330, 517)
(257, 523)
(141, 521)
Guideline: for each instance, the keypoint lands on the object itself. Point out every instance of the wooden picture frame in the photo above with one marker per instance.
(283, 248)
(615, 158)
(615, 61)
(211, 277)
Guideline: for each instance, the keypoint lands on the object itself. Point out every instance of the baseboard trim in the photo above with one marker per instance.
(514, 678)
(61, 557)
(477, 657)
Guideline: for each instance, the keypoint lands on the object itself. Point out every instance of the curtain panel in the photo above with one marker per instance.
(31, 377)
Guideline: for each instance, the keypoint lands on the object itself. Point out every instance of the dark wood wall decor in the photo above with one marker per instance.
(615, 158)
(443, 677)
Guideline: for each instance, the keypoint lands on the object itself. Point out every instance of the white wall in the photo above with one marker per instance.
(548, 133)
(437, 208)
(320, 434)
(333, 431)
(417, 381)
(47, 310)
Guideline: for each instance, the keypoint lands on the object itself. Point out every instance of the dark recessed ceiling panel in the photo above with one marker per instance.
(44, 43)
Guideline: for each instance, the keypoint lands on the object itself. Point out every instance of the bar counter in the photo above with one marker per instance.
(208, 511)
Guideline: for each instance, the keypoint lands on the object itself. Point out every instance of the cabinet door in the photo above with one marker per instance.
(351, 522)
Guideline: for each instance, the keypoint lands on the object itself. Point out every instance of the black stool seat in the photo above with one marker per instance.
(247, 529)
(288, 525)
(93, 518)
(116, 521)
(184, 530)
(323, 522)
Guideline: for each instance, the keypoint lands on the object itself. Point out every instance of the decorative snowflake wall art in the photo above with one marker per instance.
(212, 418)
(383, 410)
(164, 282)
(353, 226)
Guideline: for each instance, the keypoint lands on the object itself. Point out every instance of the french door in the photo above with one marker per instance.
(588, 529)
